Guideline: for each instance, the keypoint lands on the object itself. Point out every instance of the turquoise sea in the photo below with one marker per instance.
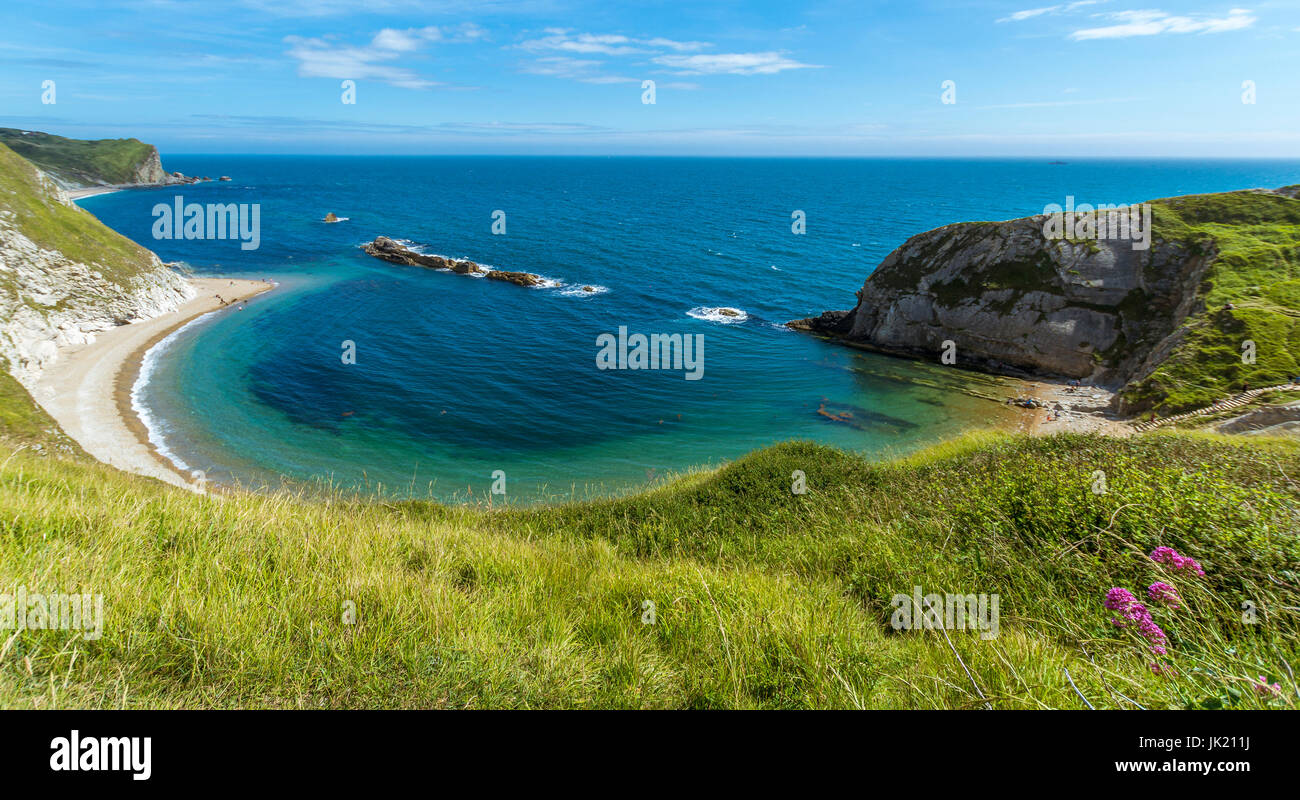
(456, 377)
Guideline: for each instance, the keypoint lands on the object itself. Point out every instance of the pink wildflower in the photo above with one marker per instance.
(1131, 610)
(1164, 594)
(1168, 555)
(1263, 687)
(1118, 599)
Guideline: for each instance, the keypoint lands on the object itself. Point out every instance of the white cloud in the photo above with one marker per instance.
(768, 63)
(577, 69)
(404, 41)
(1030, 13)
(605, 44)
(324, 58)
(682, 57)
(681, 47)
(1153, 23)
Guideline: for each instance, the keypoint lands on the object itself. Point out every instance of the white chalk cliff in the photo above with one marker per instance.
(64, 276)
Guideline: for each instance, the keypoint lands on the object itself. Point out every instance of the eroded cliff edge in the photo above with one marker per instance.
(1164, 325)
(64, 276)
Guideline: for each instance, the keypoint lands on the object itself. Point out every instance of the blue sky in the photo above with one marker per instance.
(824, 77)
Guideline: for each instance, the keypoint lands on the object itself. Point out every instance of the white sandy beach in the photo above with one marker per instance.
(87, 389)
(91, 191)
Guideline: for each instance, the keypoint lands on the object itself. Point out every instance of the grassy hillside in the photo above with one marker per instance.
(25, 424)
(1257, 271)
(763, 599)
(79, 160)
(27, 202)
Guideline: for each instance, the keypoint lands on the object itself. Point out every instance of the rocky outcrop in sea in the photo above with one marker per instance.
(1011, 299)
(397, 253)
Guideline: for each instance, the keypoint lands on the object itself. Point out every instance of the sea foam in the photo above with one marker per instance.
(153, 424)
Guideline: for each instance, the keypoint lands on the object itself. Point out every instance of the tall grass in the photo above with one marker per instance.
(761, 598)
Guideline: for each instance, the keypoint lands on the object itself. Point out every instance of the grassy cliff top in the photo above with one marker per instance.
(761, 598)
(1257, 271)
(88, 161)
(31, 204)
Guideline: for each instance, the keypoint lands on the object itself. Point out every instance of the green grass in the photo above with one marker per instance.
(81, 160)
(69, 230)
(25, 424)
(1257, 270)
(764, 599)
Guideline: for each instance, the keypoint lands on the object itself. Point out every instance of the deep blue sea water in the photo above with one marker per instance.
(458, 377)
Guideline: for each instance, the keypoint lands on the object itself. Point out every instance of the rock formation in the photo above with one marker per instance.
(1009, 298)
(180, 177)
(389, 250)
(149, 170)
(517, 278)
(1167, 323)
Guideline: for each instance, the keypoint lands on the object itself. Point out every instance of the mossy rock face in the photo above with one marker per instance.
(1008, 295)
(1151, 322)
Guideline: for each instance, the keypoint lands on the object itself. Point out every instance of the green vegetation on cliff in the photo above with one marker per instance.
(29, 203)
(83, 161)
(1257, 272)
(25, 424)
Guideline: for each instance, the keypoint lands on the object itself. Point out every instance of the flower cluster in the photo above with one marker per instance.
(1118, 599)
(1164, 594)
(1135, 615)
(1168, 555)
(1263, 687)
(1131, 612)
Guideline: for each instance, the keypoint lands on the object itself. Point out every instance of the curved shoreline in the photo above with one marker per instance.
(88, 389)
